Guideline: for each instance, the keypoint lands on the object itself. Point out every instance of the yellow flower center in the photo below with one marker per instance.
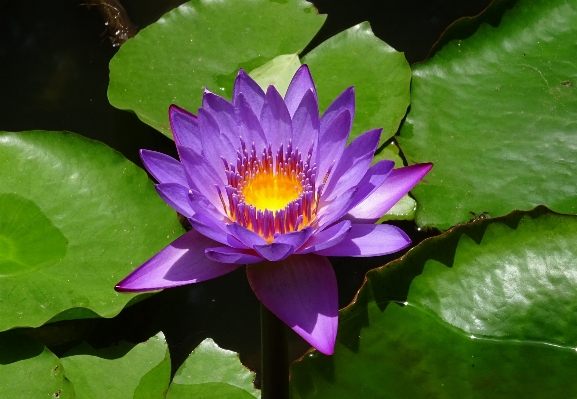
(271, 191)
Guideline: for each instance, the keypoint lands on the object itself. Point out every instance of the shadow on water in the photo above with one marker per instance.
(54, 75)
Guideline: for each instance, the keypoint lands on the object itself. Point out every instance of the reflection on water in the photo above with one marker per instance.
(54, 59)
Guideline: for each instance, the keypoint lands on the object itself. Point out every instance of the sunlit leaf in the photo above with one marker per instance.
(75, 218)
(211, 372)
(496, 113)
(203, 44)
(380, 74)
(123, 371)
(486, 310)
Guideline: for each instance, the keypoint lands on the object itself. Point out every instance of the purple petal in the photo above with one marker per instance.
(302, 291)
(230, 255)
(249, 125)
(305, 123)
(373, 179)
(301, 83)
(275, 119)
(184, 127)
(399, 183)
(275, 251)
(254, 95)
(332, 144)
(182, 262)
(214, 144)
(223, 112)
(164, 168)
(296, 238)
(369, 240)
(345, 101)
(336, 209)
(244, 235)
(202, 174)
(176, 196)
(214, 229)
(326, 238)
(201, 205)
(353, 165)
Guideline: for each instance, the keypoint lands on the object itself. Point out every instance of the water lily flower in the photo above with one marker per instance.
(267, 183)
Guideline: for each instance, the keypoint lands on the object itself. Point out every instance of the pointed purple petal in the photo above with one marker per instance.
(346, 100)
(176, 196)
(326, 238)
(301, 291)
(223, 112)
(184, 127)
(249, 126)
(353, 165)
(369, 240)
(182, 262)
(214, 229)
(254, 95)
(275, 119)
(300, 84)
(373, 179)
(332, 144)
(329, 213)
(230, 255)
(214, 144)
(202, 174)
(201, 205)
(399, 183)
(244, 235)
(305, 123)
(164, 168)
(296, 238)
(275, 251)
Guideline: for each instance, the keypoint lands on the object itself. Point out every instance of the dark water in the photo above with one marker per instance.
(54, 59)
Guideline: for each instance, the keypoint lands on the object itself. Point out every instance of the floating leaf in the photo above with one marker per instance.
(380, 74)
(29, 370)
(485, 310)
(203, 44)
(75, 218)
(496, 113)
(122, 371)
(277, 72)
(211, 372)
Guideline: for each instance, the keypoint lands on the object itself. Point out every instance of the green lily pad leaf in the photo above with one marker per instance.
(203, 44)
(405, 209)
(29, 370)
(380, 74)
(277, 72)
(212, 372)
(75, 218)
(486, 310)
(119, 371)
(496, 115)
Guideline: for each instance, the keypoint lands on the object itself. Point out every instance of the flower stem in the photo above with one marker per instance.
(274, 361)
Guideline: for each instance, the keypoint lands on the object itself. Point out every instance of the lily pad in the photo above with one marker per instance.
(496, 113)
(203, 44)
(211, 372)
(29, 370)
(381, 76)
(484, 310)
(119, 371)
(277, 72)
(75, 218)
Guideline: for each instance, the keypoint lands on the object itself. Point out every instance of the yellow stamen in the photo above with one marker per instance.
(273, 192)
